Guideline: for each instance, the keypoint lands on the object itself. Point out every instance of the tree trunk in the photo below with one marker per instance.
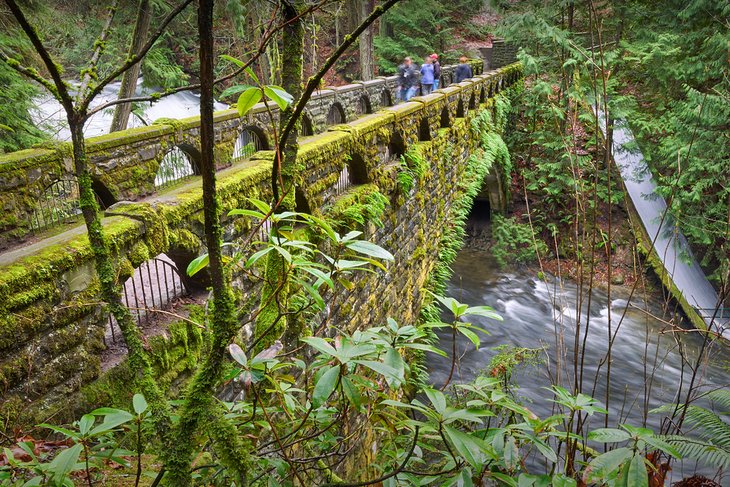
(199, 407)
(129, 79)
(367, 68)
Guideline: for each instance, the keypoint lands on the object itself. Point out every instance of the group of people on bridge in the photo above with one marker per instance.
(411, 77)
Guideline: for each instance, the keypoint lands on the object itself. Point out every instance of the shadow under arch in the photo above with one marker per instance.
(472, 101)
(250, 140)
(385, 99)
(307, 125)
(424, 130)
(364, 106)
(482, 95)
(336, 114)
(302, 203)
(396, 146)
(460, 109)
(445, 120)
(104, 196)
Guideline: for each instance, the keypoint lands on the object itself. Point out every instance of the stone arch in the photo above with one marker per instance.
(58, 204)
(424, 130)
(385, 98)
(358, 169)
(307, 125)
(460, 109)
(364, 106)
(336, 114)
(154, 285)
(445, 121)
(104, 196)
(302, 203)
(178, 164)
(250, 140)
(355, 172)
(396, 146)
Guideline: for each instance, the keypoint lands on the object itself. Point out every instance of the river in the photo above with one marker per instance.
(646, 367)
(49, 113)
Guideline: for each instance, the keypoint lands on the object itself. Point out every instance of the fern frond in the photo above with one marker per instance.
(702, 451)
(709, 425)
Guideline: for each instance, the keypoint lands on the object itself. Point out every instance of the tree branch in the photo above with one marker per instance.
(30, 73)
(384, 477)
(132, 60)
(61, 88)
(314, 81)
(99, 46)
(259, 51)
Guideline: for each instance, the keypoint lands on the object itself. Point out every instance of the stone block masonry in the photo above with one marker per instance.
(52, 324)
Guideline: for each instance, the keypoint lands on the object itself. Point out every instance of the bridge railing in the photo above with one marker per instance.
(135, 163)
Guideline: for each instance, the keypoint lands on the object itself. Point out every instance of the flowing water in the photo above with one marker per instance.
(646, 366)
(49, 114)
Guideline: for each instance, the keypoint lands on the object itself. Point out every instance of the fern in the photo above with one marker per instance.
(711, 444)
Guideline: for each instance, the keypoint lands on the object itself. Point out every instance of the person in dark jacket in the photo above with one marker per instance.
(463, 71)
(436, 70)
(408, 78)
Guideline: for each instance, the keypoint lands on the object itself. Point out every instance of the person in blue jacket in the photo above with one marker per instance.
(463, 71)
(427, 76)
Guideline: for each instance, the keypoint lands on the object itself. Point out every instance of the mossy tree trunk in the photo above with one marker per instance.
(129, 79)
(271, 322)
(200, 406)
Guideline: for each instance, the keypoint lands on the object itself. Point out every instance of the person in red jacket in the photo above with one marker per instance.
(436, 70)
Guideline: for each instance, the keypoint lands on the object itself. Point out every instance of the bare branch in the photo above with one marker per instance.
(61, 91)
(256, 54)
(98, 50)
(132, 60)
(30, 73)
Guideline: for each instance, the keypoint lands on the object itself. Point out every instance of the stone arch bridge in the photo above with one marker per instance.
(52, 327)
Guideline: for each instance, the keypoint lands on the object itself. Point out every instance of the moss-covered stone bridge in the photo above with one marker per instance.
(52, 325)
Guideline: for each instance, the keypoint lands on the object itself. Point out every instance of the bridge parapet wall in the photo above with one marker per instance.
(52, 324)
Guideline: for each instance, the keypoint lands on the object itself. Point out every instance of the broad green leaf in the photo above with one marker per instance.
(111, 421)
(243, 212)
(238, 354)
(662, 445)
(65, 461)
(608, 435)
(247, 100)
(636, 474)
(485, 311)
(261, 205)
(325, 386)
(233, 60)
(471, 336)
(470, 448)
(390, 374)
(560, 480)
(395, 361)
(370, 249)
(233, 90)
(253, 76)
(278, 96)
(198, 264)
(351, 392)
(139, 403)
(602, 466)
(437, 398)
(85, 423)
(511, 453)
(257, 255)
(321, 345)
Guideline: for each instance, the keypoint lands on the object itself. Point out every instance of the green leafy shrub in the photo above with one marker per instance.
(514, 242)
